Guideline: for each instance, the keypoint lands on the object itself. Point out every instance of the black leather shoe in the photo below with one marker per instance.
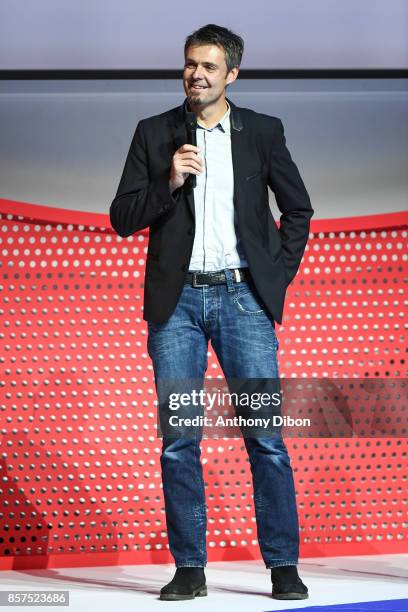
(187, 583)
(286, 583)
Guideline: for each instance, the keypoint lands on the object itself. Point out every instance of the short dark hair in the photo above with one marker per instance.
(212, 34)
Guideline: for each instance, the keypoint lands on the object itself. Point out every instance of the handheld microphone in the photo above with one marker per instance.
(191, 125)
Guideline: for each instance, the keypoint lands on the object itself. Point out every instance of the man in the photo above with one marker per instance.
(217, 269)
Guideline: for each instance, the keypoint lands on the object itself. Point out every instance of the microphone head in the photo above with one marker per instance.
(191, 120)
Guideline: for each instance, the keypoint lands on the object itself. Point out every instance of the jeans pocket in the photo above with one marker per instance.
(248, 302)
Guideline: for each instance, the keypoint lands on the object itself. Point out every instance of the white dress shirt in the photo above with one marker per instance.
(216, 242)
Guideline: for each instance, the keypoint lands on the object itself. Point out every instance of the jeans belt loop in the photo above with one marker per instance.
(229, 277)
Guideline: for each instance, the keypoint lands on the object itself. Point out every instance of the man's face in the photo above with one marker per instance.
(205, 74)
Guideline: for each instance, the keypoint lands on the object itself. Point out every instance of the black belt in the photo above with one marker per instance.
(201, 279)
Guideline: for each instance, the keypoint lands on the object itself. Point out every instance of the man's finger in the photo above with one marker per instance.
(188, 147)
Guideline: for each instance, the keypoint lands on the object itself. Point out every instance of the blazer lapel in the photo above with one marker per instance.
(241, 153)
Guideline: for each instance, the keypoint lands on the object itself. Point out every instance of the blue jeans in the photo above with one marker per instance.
(242, 334)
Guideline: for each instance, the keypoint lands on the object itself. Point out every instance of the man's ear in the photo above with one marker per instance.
(232, 75)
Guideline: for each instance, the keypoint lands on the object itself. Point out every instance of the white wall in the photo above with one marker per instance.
(41, 34)
(64, 143)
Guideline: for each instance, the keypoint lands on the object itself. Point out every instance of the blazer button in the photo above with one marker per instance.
(190, 232)
(185, 268)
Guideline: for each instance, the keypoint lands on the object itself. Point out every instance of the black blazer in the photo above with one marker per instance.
(260, 158)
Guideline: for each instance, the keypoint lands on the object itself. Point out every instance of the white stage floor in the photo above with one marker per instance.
(238, 585)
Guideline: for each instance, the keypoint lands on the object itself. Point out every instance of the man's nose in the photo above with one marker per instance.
(197, 74)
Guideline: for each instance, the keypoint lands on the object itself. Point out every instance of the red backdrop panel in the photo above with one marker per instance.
(80, 471)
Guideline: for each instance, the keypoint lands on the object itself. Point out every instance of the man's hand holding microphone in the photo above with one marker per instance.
(185, 161)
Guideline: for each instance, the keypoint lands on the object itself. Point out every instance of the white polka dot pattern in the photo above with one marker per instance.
(80, 454)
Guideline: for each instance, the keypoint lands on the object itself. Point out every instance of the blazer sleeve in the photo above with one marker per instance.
(139, 202)
(292, 199)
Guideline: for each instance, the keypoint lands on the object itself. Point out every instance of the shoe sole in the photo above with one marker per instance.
(200, 592)
(290, 595)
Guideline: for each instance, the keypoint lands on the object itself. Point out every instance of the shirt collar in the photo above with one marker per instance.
(223, 124)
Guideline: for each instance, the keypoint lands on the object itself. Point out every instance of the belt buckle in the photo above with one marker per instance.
(195, 283)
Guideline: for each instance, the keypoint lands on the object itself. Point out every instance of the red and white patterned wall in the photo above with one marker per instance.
(80, 471)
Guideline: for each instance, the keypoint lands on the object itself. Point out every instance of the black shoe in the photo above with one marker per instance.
(287, 584)
(187, 583)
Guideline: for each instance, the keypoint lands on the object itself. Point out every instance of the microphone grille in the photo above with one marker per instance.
(191, 120)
